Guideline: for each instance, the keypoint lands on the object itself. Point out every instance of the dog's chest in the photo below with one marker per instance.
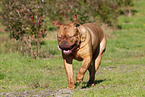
(77, 56)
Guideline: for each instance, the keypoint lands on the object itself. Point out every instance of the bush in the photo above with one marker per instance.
(105, 11)
(63, 10)
(126, 6)
(25, 20)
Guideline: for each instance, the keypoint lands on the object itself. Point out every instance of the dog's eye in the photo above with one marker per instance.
(59, 37)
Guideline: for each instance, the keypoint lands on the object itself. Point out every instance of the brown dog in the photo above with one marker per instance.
(85, 42)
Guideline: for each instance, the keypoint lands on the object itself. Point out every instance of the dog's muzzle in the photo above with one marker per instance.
(66, 50)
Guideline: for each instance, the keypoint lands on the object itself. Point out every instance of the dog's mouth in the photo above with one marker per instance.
(67, 51)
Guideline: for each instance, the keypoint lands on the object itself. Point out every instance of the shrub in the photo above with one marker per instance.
(105, 11)
(88, 10)
(63, 10)
(126, 6)
(25, 20)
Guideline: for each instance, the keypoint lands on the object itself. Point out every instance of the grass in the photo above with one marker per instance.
(122, 70)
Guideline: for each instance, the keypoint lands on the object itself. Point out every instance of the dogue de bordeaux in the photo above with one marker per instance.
(85, 43)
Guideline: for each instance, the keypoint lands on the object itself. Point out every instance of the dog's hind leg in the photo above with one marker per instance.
(91, 68)
(96, 61)
(102, 48)
(92, 72)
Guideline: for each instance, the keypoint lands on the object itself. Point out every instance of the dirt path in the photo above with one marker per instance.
(56, 93)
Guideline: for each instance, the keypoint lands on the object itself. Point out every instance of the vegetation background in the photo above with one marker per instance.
(122, 70)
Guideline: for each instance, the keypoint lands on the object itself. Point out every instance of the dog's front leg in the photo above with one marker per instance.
(85, 64)
(69, 72)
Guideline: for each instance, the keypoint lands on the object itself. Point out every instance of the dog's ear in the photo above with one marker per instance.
(75, 19)
(57, 23)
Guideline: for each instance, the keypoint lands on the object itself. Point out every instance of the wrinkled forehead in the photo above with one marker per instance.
(67, 30)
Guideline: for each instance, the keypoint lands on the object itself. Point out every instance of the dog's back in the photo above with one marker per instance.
(96, 32)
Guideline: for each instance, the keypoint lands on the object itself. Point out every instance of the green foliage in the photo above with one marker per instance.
(63, 10)
(99, 11)
(107, 10)
(24, 18)
(25, 21)
(88, 10)
(126, 6)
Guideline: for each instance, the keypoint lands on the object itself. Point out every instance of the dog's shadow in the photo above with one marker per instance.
(85, 83)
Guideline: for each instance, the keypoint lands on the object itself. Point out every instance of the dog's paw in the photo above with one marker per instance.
(71, 87)
(79, 80)
(90, 84)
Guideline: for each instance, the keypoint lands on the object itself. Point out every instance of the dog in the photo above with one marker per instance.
(85, 43)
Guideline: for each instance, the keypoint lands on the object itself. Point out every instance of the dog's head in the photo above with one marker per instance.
(68, 35)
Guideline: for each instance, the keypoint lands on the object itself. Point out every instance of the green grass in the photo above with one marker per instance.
(122, 70)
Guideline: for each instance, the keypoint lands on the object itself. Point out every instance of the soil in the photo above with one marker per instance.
(56, 93)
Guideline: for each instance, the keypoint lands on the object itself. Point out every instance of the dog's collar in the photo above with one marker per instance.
(77, 25)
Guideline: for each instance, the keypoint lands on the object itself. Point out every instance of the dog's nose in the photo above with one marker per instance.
(63, 43)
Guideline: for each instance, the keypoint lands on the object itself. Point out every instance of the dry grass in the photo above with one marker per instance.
(108, 31)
